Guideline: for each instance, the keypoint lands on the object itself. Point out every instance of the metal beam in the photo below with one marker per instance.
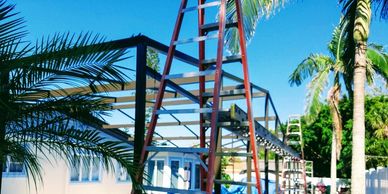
(185, 138)
(130, 125)
(178, 150)
(159, 124)
(150, 83)
(172, 85)
(140, 106)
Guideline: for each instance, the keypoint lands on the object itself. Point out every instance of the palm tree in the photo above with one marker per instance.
(253, 10)
(33, 119)
(358, 13)
(322, 68)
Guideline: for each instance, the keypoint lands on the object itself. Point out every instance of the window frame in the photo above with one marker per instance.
(191, 181)
(195, 163)
(155, 172)
(120, 169)
(8, 173)
(91, 170)
(180, 168)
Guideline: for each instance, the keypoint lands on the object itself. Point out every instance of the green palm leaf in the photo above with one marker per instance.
(55, 125)
(252, 10)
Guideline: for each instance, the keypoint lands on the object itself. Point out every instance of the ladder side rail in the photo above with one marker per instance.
(247, 85)
(304, 175)
(202, 89)
(162, 86)
(216, 98)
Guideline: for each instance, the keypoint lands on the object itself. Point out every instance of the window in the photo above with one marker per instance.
(197, 176)
(11, 167)
(86, 169)
(174, 173)
(154, 171)
(187, 175)
(122, 174)
(159, 172)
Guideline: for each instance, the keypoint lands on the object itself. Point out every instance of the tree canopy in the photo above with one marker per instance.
(317, 137)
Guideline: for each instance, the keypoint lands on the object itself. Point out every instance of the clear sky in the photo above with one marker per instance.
(280, 43)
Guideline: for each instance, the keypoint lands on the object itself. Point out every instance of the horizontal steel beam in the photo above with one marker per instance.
(130, 125)
(172, 190)
(150, 83)
(177, 150)
(185, 138)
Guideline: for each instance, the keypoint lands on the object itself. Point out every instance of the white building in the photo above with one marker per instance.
(58, 178)
(165, 169)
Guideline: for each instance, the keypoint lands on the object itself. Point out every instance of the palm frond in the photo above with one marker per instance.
(252, 10)
(70, 139)
(315, 89)
(347, 24)
(22, 153)
(67, 60)
(11, 26)
(377, 59)
(381, 7)
(309, 66)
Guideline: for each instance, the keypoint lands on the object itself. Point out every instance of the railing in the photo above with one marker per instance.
(376, 180)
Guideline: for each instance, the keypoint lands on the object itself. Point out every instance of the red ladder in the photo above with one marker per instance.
(203, 71)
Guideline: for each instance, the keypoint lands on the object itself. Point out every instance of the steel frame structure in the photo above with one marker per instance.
(141, 99)
(215, 132)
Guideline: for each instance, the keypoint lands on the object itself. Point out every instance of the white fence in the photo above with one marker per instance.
(377, 181)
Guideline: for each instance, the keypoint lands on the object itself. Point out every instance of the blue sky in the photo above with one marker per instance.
(280, 43)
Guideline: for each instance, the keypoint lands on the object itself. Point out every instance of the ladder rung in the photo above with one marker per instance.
(183, 111)
(191, 74)
(297, 190)
(294, 124)
(234, 182)
(225, 93)
(175, 149)
(293, 143)
(236, 154)
(214, 26)
(293, 171)
(196, 39)
(226, 124)
(227, 59)
(202, 6)
(171, 190)
(294, 133)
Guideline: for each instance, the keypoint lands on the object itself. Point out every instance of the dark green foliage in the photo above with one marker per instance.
(317, 138)
(34, 119)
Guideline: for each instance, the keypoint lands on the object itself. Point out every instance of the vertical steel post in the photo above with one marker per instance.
(162, 86)
(201, 57)
(249, 168)
(216, 98)
(248, 95)
(266, 185)
(140, 105)
(277, 180)
(140, 95)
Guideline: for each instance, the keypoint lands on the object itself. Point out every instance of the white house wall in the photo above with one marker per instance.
(56, 179)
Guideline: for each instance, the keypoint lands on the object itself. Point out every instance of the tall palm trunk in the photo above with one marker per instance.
(360, 35)
(333, 101)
